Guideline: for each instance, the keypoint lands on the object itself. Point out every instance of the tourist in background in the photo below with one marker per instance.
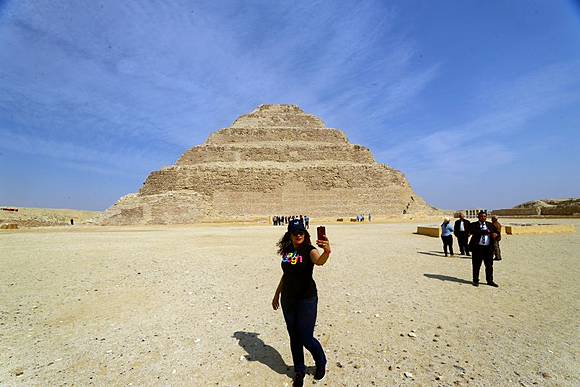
(461, 231)
(496, 249)
(481, 246)
(447, 236)
(299, 296)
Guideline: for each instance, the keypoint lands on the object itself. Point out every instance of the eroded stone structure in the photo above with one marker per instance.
(275, 160)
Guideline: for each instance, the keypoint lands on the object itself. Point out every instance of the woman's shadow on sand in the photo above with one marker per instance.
(258, 351)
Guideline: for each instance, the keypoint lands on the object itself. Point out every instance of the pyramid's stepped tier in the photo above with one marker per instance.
(270, 151)
(236, 193)
(167, 208)
(279, 134)
(288, 116)
(208, 179)
(210, 193)
(276, 160)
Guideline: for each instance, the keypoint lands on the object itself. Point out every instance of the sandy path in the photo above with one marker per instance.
(191, 306)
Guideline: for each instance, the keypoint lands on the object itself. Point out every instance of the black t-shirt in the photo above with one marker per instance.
(297, 280)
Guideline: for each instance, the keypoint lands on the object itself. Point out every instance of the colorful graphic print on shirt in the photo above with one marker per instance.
(292, 258)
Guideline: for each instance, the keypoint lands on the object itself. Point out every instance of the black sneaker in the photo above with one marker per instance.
(298, 380)
(474, 283)
(493, 284)
(320, 373)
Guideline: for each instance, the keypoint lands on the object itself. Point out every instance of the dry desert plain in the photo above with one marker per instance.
(190, 306)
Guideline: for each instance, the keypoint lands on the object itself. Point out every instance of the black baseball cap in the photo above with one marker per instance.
(296, 225)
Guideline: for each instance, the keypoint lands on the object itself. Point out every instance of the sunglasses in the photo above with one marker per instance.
(296, 233)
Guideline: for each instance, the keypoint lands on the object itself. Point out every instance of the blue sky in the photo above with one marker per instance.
(477, 103)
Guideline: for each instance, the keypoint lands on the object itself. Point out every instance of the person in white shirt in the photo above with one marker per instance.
(481, 245)
(447, 236)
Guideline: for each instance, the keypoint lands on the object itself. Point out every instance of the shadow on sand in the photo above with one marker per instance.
(440, 254)
(441, 277)
(433, 253)
(258, 351)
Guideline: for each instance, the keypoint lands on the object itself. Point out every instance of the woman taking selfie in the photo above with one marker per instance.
(300, 297)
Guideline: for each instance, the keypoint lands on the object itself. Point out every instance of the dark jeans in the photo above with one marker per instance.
(462, 238)
(482, 254)
(300, 316)
(447, 241)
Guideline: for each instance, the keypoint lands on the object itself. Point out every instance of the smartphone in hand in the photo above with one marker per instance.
(320, 233)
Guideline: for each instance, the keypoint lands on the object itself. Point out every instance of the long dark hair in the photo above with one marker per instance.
(285, 244)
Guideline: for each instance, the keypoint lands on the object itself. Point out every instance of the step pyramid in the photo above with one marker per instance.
(276, 160)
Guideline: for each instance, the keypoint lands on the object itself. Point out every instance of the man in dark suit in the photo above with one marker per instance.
(461, 231)
(481, 244)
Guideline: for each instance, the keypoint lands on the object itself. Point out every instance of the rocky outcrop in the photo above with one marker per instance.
(548, 207)
(275, 160)
(551, 203)
(40, 217)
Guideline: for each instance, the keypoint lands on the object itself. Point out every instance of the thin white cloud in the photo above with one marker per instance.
(172, 73)
(122, 161)
(505, 111)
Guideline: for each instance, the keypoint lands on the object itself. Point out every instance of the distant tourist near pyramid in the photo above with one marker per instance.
(277, 160)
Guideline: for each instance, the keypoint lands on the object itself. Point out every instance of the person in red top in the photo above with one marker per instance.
(299, 297)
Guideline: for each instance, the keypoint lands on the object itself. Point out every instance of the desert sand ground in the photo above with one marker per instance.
(191, 306)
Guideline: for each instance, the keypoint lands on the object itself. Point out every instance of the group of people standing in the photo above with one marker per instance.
(278, 220)
(484, 242)
(361, 218)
